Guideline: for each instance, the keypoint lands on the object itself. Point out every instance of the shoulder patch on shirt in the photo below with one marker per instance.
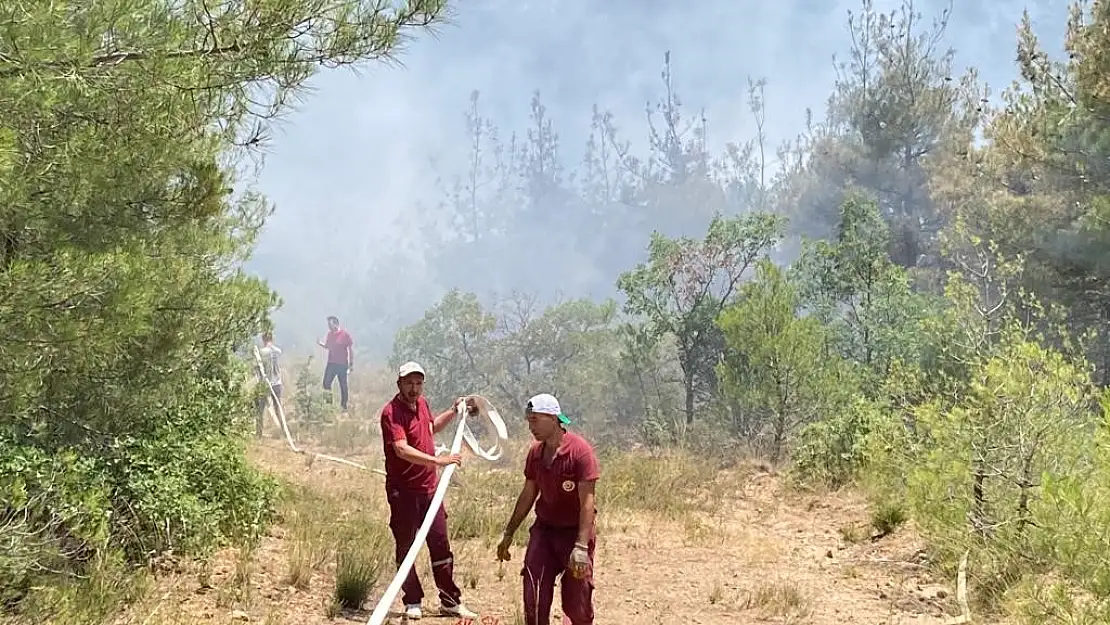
(568, 485)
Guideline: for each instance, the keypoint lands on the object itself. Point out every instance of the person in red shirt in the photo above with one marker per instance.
(560, 469)
(341, 358)
(408, 437)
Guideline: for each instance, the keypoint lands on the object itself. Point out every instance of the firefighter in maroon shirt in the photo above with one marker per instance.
(341, 358)
(408, 435)
(561, 469)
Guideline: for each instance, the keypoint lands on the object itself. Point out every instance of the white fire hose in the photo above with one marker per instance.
(278, 413)
(462, 432)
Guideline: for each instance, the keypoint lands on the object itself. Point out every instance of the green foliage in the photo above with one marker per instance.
(454, 343)
(172, 488)
(1076, 501)
(686, 283)
(124, 412)
(896, 109)
(776, 372)
(649, 386)
(887, 516)
(310, 401)
(975, 475)
(834, 450)
(569, 349)
(852, 285)
(361, 559)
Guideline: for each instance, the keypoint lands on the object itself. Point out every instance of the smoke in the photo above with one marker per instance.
(357, 171)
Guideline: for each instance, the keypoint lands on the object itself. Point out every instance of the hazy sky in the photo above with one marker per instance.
(360, 150)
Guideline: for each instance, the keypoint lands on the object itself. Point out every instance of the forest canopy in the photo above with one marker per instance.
(939, 336)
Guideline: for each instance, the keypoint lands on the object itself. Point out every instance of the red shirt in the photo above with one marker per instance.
(399, 422)
(337, 343)
(574, 462)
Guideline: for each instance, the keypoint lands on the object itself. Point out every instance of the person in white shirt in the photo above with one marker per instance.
(271, 365)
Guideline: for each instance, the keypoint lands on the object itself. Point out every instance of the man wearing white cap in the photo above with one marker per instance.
(408, 436)
(561, 469)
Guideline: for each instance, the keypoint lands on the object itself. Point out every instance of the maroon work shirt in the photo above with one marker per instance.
(399, 422)
(574, 461)
(337, 343)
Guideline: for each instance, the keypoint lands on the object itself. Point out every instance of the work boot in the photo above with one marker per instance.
(458, 611)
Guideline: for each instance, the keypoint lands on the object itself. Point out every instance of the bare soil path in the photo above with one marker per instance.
(765, 555)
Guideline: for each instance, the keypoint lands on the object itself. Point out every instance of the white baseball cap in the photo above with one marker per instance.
(545, 403)
(408, 368)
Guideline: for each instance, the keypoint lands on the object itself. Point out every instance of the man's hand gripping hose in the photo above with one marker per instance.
(462, 432)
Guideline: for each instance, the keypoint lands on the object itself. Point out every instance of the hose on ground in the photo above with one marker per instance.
(278, 413)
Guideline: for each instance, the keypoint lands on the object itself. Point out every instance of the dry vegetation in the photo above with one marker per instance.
(681, 542)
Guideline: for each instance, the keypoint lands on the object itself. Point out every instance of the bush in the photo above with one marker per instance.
(832, 452)
(1078, 504)
(973, 471)
(309, 399)
(182, 486)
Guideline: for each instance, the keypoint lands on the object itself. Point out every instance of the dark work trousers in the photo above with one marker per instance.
(406, 514)
(263, 401)
(337, 370)
(545, 559)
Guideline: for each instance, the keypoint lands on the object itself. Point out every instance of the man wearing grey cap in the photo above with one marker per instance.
(560, 473)
(408, 436)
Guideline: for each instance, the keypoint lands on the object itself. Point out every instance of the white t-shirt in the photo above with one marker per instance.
(270, 364)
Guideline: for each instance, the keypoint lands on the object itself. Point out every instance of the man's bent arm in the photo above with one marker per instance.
(443, 419)
(586, 512)
(524, 502)
(413, 455)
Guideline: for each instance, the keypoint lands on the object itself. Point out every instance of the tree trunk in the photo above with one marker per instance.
(689, 382)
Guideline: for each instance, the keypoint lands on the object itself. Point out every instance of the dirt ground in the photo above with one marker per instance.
(767, 555)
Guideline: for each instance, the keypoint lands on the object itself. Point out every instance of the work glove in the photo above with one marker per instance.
(503, 548)
(579, 561)
(471, 405)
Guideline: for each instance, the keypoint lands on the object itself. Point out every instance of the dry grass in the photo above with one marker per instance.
(780, 599)
(360, 564)
(680, 540)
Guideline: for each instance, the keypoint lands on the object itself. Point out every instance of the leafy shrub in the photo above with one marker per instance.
(975, 471)
(833, 451)
(178, 489)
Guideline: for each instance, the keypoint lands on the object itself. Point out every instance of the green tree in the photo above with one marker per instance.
(566, 348)
(650, 384)
(772, 372)
(851, 284)
(1048, 150)
(122, 230)
(455, 344)
(976, 469)
(686, 283)
(895, 108)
